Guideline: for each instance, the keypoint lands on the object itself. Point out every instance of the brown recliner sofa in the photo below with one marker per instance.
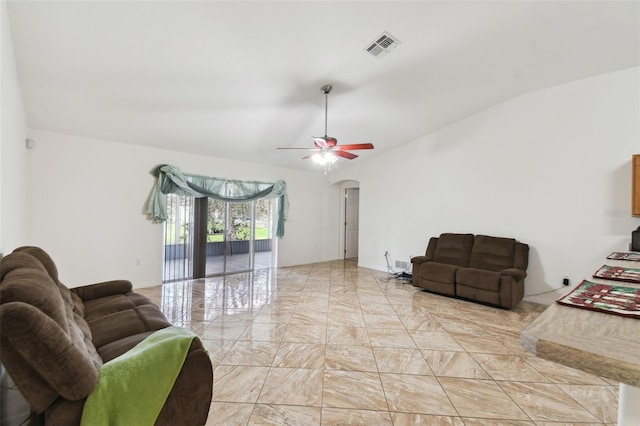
(481, 268)
(54, 341)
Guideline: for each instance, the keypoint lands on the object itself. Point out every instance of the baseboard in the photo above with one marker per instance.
(546, 299)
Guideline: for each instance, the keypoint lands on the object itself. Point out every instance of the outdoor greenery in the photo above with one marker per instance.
(240, 214)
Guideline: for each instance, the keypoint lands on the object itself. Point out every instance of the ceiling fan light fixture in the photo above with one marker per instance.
(324, 158)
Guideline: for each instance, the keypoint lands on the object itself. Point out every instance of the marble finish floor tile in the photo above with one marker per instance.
(277, 415)
(454, 364)
(335, 344)
(468, 421)
(481, 398)
(383, 321)
(601, 401)
(435, 340)
(246, 352)
(350, 358)
(344, 416)
(300, 355)
(292, 386)
(233, 383)
(273, 317)
(547, 402)
(264, 332)
(217, 348)
(422, 323)
(353, 389)
(481, 344)
(557, 373)
(508, 367)
(224, 331)
(377, 309)
(302, 333)
(413, 419)
(401, 361)
(390, 338)
(229, 414)
(412, 393)
(344, 319)
(348, 335)
(308, 316)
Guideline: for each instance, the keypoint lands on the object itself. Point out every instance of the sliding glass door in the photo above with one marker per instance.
(229, 237)
(239, 237)
(178, 244)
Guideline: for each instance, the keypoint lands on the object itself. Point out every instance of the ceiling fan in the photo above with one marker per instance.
(326, 149)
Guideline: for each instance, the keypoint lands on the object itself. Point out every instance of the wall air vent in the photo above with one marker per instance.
(384, 44)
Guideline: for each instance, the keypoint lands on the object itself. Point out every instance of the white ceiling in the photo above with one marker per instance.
(238, 79)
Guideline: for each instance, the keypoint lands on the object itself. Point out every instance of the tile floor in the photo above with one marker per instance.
(334, 344)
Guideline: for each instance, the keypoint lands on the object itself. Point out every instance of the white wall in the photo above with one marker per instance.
(12, 144)
(86, 202)
(550, 168)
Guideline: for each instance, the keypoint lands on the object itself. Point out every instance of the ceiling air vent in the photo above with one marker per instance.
(382, 45)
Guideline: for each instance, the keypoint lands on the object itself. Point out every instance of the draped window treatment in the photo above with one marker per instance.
(171, 180)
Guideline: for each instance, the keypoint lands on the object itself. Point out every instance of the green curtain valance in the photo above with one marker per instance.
(171, 180)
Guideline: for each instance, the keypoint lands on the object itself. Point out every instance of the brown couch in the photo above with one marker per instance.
(485, 269)
(54, 341)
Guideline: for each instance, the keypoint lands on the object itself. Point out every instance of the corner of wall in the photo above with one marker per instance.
(12, 149)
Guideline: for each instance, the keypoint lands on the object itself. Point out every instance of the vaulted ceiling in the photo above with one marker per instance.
(238, 79)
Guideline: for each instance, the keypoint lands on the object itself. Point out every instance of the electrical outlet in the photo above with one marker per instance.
(565, 280)
(386, 253)
(138, 262)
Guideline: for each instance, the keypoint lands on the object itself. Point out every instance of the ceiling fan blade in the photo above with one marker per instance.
(354, 146)
(319, 142)
(345, 154)
(308, 149)
(324, 141)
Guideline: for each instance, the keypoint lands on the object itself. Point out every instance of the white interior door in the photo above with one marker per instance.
(352, 203)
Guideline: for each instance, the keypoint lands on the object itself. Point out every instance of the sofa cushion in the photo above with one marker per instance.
(521, 256)
(117, 325)
(116, 348)
(33, 286)
(120, 315)
(478, 294)
(76, 326)
(35, 319)
(453, 249)
(492, 253)
(98, 308)
(79, 330)
(43, 258)
(478, 278)
(440, 272)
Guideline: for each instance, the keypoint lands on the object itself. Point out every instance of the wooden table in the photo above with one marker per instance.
(599, 343)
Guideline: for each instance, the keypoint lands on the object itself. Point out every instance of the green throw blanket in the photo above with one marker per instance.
(133, 387)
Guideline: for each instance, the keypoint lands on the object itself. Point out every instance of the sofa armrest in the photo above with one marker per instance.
(517, 274)
(418, 260)
(103, 289)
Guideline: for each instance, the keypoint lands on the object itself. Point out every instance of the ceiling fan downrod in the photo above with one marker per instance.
(326, 89)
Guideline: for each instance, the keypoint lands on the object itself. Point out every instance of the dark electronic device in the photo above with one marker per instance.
(635, 240)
